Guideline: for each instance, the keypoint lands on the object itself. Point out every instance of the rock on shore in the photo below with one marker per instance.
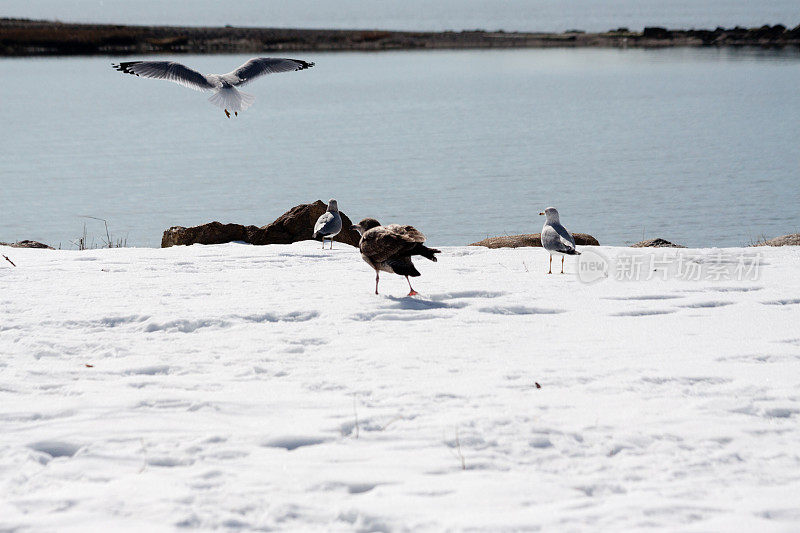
(26, 244)
(793, 239)
(530, 239)
(295, 225)
(656, 243)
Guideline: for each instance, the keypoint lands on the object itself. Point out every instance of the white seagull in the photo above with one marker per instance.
(556, 239)
(329, 224)
(224, 86)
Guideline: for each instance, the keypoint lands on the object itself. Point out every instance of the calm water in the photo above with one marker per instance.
(510, 15)
(696, 146)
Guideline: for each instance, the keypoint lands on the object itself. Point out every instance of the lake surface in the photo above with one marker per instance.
(509, 15)
(698, 146)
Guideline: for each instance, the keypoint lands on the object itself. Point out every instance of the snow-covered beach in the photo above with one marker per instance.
(240, 387)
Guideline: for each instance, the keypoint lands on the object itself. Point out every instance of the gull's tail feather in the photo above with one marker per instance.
(232, 99)
(424, 251)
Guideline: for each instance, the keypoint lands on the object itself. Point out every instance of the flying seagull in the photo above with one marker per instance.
(389, 248)
(556, 239)
(329, 224)
(224, 86)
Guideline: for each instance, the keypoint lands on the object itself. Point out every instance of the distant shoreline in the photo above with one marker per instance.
(22, 37)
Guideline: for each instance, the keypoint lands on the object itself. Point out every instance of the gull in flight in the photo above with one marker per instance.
(389, 248)
(556, 239)
(329, 224)
(224, 86)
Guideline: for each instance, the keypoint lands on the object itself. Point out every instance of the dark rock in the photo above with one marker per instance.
(297, 224)
(706, 36)
(211, 233)
(26, 244)
(656, 243)
(530, 239)
(793, 239)
(767, 32)
(737, 33)
(656, 32)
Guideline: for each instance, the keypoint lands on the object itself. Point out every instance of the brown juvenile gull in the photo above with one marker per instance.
(389, 248)
(556, 239)
(329, 224)
(224, 86)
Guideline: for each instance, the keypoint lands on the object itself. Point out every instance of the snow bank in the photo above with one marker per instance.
(239, 387)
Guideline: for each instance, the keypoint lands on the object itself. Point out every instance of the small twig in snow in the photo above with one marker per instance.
(355, 414)
(392, 421)
(9, 260)
(108, 235)
(458, 449)
(457, 453)
(144, 460)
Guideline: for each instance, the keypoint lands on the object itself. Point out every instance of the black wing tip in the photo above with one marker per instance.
(125, 67)
(567, 251)
(303, 64)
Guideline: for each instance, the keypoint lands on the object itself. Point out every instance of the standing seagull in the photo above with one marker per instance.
(224, 85)
(389, 248)
(329, 224)
(556, 239)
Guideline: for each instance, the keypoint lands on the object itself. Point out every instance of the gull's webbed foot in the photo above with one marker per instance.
(411, 292)
(236, 113)
(227, 114)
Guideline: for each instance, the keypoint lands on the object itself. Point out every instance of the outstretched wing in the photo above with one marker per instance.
(386, 242)
(258, 66)
(167, 70)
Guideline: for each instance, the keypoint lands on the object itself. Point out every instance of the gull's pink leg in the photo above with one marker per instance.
(413, 292)
(551, 265)
(562, 264)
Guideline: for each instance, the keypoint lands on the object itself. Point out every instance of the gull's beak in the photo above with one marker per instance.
(542, 213)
